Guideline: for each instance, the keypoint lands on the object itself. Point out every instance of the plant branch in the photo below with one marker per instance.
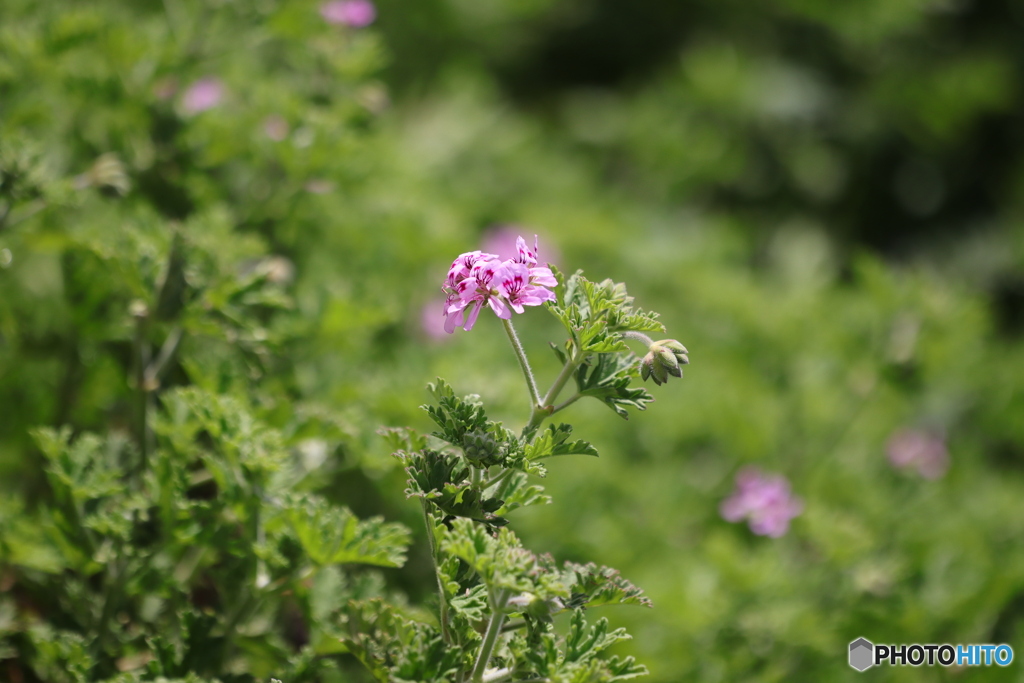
(544, 409)
(566, 403)
(523, 363)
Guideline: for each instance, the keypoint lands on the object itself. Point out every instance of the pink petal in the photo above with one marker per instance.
(500, 309)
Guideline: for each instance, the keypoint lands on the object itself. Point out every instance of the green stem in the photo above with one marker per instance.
(566, 403)
(140, 360)
(151, 376)
(497, 479)
(513, 626)
(491, 635)
(437, 574)
(523, 363)
(544, 409)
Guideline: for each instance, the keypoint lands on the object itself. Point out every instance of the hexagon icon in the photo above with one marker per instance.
(862, 653)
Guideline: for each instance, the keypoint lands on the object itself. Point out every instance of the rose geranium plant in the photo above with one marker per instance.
(497, 600)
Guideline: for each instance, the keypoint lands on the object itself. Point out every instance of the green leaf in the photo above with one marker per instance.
(403, 438)
(394, 648)
(583, 644)
(333, 535)
(455, 416)
(464, 424)
(594, 585)
(501, 562)
(554, 441)
(87, 469)
(595, 313)
(516, 492)
(607, 378)
(575, 658)
(443, 479)
(472, 604)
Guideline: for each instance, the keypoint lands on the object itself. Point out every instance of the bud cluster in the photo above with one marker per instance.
(664, 358)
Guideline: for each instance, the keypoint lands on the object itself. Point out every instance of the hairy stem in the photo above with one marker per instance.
(523, 363)
(437, 573)
(491, 636)
(639, 336)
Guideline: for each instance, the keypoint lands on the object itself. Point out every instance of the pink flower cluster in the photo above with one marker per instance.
(921, 451)
(765, 501)
(477, 278)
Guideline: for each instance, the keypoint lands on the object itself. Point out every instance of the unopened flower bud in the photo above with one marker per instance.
(664, 358)
(481, 449)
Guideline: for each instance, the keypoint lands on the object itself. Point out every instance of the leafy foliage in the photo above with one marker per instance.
(394, 648)
(576, 658)
(607, 377)
(205, 315)
(331, 535)
(594, 312)
(442, 479)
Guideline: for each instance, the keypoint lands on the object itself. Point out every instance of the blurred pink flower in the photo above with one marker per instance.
(918, 450)
(356, 13)
(432, 318)
(275, 128)
(764, 500)
(204, 94)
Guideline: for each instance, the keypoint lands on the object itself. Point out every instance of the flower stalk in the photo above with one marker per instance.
(531, 383)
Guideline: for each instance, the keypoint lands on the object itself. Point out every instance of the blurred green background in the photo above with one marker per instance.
(823, 199)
